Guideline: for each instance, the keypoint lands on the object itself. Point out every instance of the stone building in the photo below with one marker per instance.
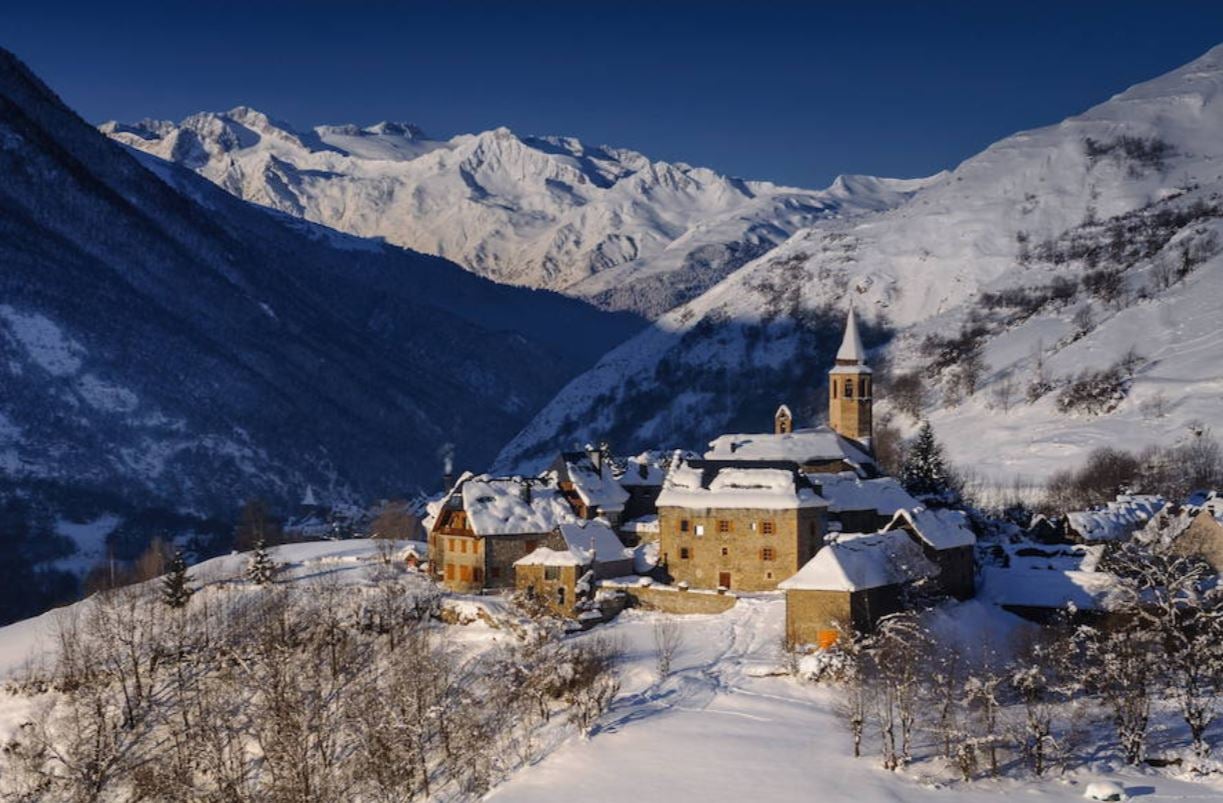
(485, 524)
(564, 579)
(740, 526)
(1203, 537)
(850, 388)
(948, 541)
(587, 479)
(850, 585)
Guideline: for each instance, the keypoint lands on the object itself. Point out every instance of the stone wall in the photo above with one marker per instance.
(534, 578)
(1204, 538)
(670, 599)
(738, 548)
(815, 617)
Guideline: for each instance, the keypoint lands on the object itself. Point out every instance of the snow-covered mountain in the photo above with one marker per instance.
(548, 212)
(1077, 242)
(164, 341)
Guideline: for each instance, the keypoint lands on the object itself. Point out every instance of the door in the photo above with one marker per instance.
(724, 579)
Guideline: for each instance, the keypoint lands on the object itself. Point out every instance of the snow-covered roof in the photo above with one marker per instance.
(1046, 588)
(783, 410)
(848, 491)
(815, 445)
(941, 529)
(595, 485)
(1118, 519)
(859, 562)
(646, 468)
(586, 542)
(851, 346)
(698, 484)
(514, 505)
(594, 540)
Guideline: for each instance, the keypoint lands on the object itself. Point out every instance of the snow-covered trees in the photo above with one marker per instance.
(924, 472)
(261, 569)
(287, 693)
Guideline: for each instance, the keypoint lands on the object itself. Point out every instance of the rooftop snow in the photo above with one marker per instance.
(941, 529)
(585, 538)
(1045, 588)
(816, 445)
(859, 562)
(847, 491)
(1117, 520)
(596, 487)
(695, 485)
(514, 506)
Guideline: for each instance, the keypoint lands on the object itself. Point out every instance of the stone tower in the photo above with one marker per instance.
(783, 421)
(849, 388)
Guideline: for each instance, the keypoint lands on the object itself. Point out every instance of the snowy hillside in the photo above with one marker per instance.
(167, 343)
(550, 212)
(1113, 211)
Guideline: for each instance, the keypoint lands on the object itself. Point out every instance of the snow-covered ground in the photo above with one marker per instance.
(723, 726)
(726, 724)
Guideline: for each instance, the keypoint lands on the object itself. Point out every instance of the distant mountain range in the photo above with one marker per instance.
(167, 342)
(602, 223)
(1059, 291)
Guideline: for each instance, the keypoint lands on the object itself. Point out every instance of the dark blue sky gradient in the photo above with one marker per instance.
(795, 93)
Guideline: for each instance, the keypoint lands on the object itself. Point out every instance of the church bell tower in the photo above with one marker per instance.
(849, 388)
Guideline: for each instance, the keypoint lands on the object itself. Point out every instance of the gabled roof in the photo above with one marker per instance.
(514, 505)
(586, 542)
(1118, 519)
(941, 529)
(737, 485)
(847, 491)
(860, 562)
(815, 445)
(596, 486)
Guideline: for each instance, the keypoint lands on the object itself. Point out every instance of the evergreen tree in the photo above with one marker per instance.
(175, 588)
(261, 569)
(924, 472)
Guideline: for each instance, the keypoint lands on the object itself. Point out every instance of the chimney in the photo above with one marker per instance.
(447, 455)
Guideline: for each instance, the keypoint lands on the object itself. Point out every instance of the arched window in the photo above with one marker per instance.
(834, 389)
(560, 596)
(849, 388)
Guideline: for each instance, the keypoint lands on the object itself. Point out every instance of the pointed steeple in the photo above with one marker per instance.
(851, 351)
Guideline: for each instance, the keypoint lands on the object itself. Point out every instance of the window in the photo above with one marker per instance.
(834, 390)
(849, 388)
(768, 575)
(766, 527)
(684, 553)
(866, 387)
(552, 572)
(465, 574)
(725, 551)
(723, 526)
(683, 525)
(700, 529)
(450, 544)
(768, 554)
(463, 546)
(449, 571)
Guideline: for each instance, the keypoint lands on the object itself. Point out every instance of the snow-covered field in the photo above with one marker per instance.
(723, 726)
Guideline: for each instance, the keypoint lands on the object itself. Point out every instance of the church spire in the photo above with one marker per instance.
(851, 351)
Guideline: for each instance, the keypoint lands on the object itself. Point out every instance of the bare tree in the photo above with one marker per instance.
(668, 639)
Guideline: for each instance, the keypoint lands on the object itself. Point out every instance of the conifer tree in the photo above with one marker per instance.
(261, 569)
(176, 591)
(925, 473)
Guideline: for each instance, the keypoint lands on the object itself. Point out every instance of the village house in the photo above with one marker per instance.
(850, 585)
(857, 505)
(742, 526)
(1051, 582)
(1202, 532)
(564, 579)
(1115, 521)
(948, 541)
(587, 480)
(485, 524)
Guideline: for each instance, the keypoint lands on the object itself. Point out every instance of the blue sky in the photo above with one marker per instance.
(795, 93)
